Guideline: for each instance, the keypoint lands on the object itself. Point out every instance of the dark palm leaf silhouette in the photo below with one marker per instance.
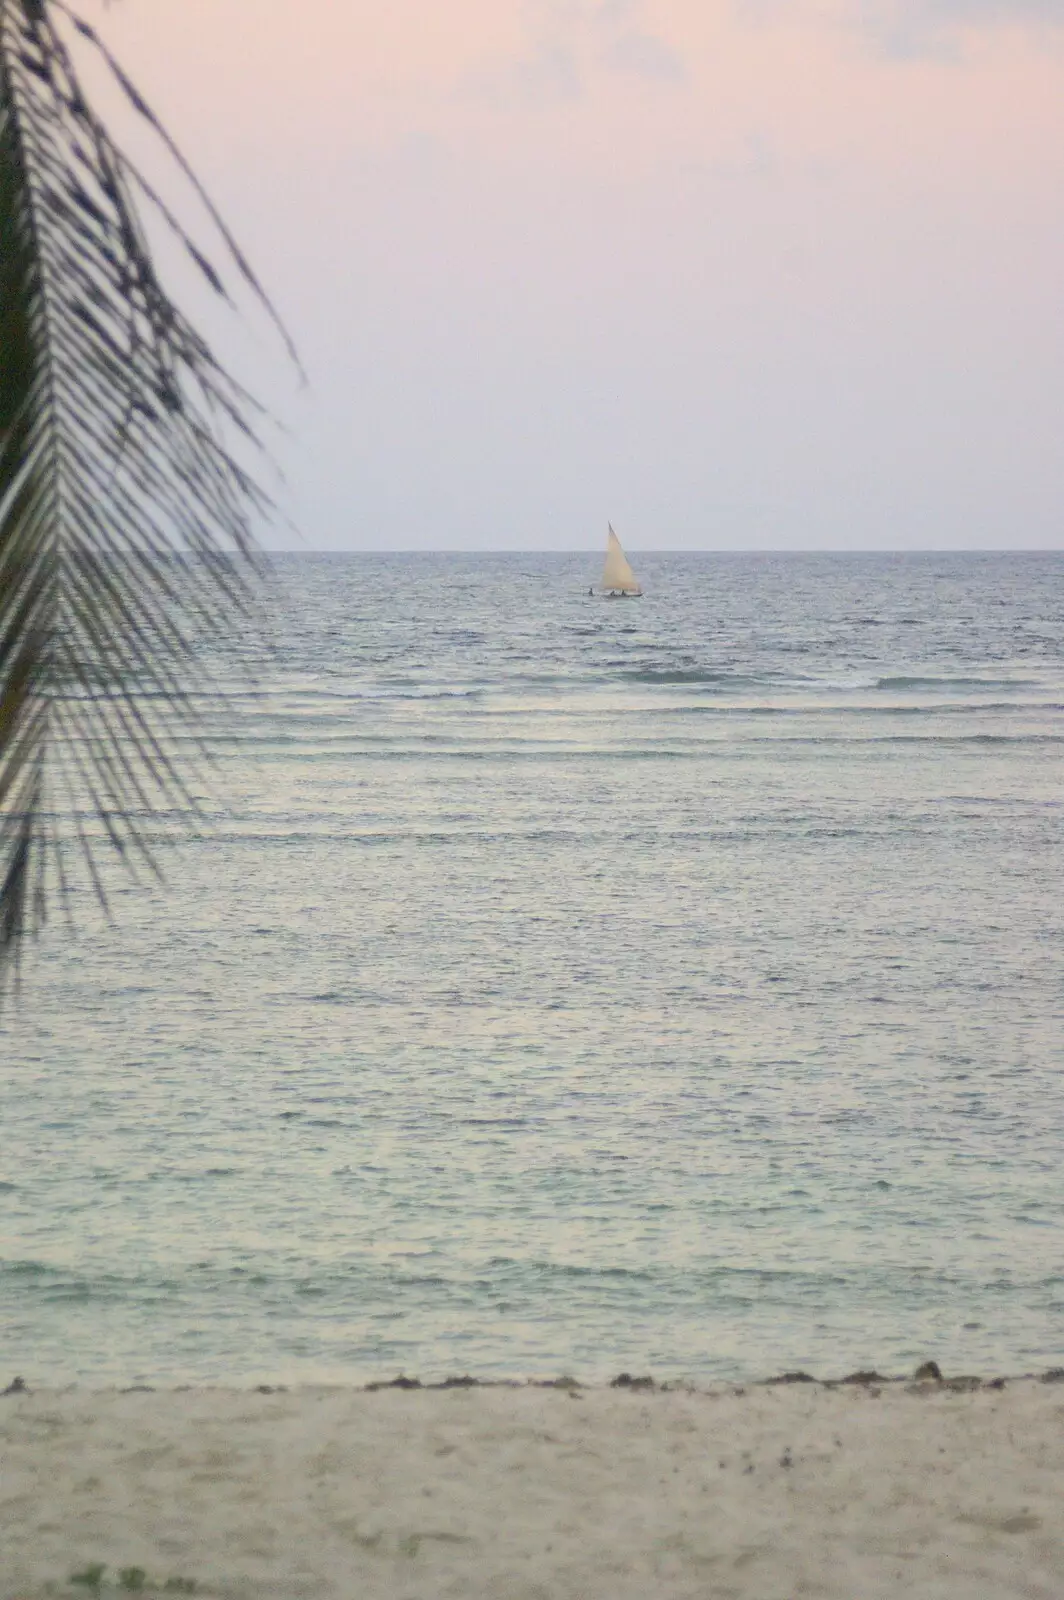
(125, 509)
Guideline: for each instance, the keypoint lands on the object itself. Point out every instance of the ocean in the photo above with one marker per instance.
(573, 986)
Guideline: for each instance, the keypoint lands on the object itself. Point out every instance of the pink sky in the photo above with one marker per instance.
(735, 273)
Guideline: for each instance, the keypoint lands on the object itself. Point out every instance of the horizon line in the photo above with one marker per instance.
(688, 550)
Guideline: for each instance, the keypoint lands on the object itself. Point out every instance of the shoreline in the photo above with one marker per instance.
(926, 1378)
(858, 1488)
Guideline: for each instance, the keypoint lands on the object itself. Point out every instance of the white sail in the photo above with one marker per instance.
(617, 574)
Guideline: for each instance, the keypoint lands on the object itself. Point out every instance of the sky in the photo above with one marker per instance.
(733, 274)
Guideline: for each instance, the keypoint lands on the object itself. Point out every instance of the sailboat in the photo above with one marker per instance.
(619, 582)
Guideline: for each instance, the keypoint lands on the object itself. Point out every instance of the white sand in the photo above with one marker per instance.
(531, 1494)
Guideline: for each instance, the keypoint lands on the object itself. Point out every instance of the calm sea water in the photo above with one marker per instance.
(671, 985)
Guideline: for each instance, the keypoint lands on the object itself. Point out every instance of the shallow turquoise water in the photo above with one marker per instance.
(672, 985)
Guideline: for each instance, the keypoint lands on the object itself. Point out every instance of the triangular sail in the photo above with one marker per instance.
(617, 574)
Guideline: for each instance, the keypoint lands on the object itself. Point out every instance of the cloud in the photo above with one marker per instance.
(752, 156)
(548, 75)
(975, 13)
(644, 54)
(905, 29)
(908, 28)
(570, 40)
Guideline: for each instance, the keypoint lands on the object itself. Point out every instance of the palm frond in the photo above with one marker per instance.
(125, 505)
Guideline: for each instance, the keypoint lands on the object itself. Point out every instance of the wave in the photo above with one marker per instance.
(713, 676)
(947, 739)
(955, 683)
(59, 1285)
(945, 708)
(384, 695)
(736, 747)
(313, 701)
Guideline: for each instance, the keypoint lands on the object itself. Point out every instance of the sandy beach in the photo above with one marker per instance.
(772, 1491)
